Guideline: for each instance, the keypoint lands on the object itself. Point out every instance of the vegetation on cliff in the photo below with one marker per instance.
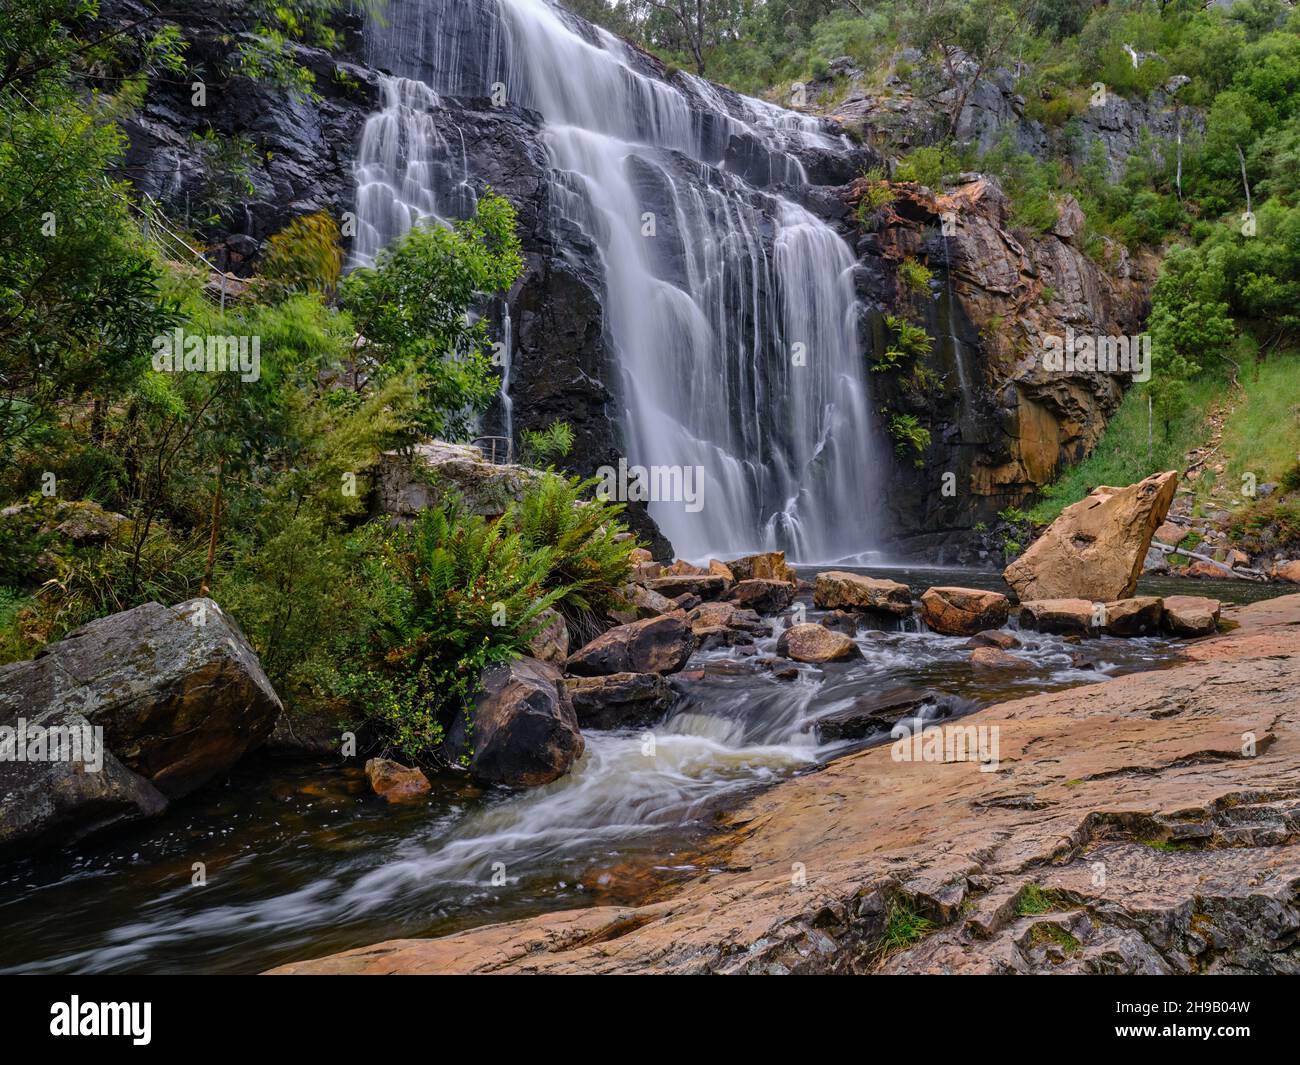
(225, 446)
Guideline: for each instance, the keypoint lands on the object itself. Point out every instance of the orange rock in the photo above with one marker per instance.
(395, 782)
(1097, 546)
(838, 590)
(963, 611)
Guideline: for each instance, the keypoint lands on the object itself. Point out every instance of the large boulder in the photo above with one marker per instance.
(1191, 615)
(963, 611)
(161, 700)
(432, 473)
(1096, 548)
(769, 566)
(620, 700)
(762, 595)
(178, 691)
(59, 801)
(521, 731)
(838, 590)
(655, 645)
(1134, 617)
(816, 643)
(1070, 617)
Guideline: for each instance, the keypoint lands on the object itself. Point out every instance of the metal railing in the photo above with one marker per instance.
(496, 449)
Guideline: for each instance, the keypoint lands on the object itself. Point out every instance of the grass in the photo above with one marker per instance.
(1261, 436)
(1034, 900)
(904, 927)
(1046, 932)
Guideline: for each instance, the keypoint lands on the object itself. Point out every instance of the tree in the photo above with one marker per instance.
(414, 310)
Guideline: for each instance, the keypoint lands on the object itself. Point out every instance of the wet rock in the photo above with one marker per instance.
(878, 712)
(655, 645)
(816, 643)
(836, 589)
(709, 616)
(963, 611)
(779, 668)
(56, 802)
(770, 566)
(1191, 615)
(762, 595)
(720, 569)
(682, 568)
(844, 621)
(395, 782)
(1065, 616)
(620, 700)
(1004, 641)
(648, 603)
(1097, 546)
(521, 730)
(996, 658)
(685, 601)
(706, 587)
(1133, 617)
(551, 643)
(178, 691)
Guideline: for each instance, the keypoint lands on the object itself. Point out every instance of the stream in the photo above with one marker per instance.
(301, 860)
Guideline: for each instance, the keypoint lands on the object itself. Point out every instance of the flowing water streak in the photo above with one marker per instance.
(734, 325)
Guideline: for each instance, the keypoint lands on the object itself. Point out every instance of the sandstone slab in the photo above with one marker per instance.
(1096, 547)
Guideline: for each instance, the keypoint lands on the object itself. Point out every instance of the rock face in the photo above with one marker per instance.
(522, 730)
(619, 700)
(1191, 615)
(1199, 850)
(963, 611)
(815, 643)
(1097, 546)
(395, 782)
(178, 693)
(1008, 422)
(437, 471)
(655, 645)
(837, 590)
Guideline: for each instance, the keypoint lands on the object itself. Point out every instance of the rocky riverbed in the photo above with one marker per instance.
(1144, 825)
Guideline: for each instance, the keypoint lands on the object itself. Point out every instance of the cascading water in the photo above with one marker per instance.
(729, 307)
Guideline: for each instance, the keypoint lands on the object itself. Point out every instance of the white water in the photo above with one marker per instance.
(734, 326)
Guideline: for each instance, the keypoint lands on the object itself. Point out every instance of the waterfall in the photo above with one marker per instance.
(729, 308)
